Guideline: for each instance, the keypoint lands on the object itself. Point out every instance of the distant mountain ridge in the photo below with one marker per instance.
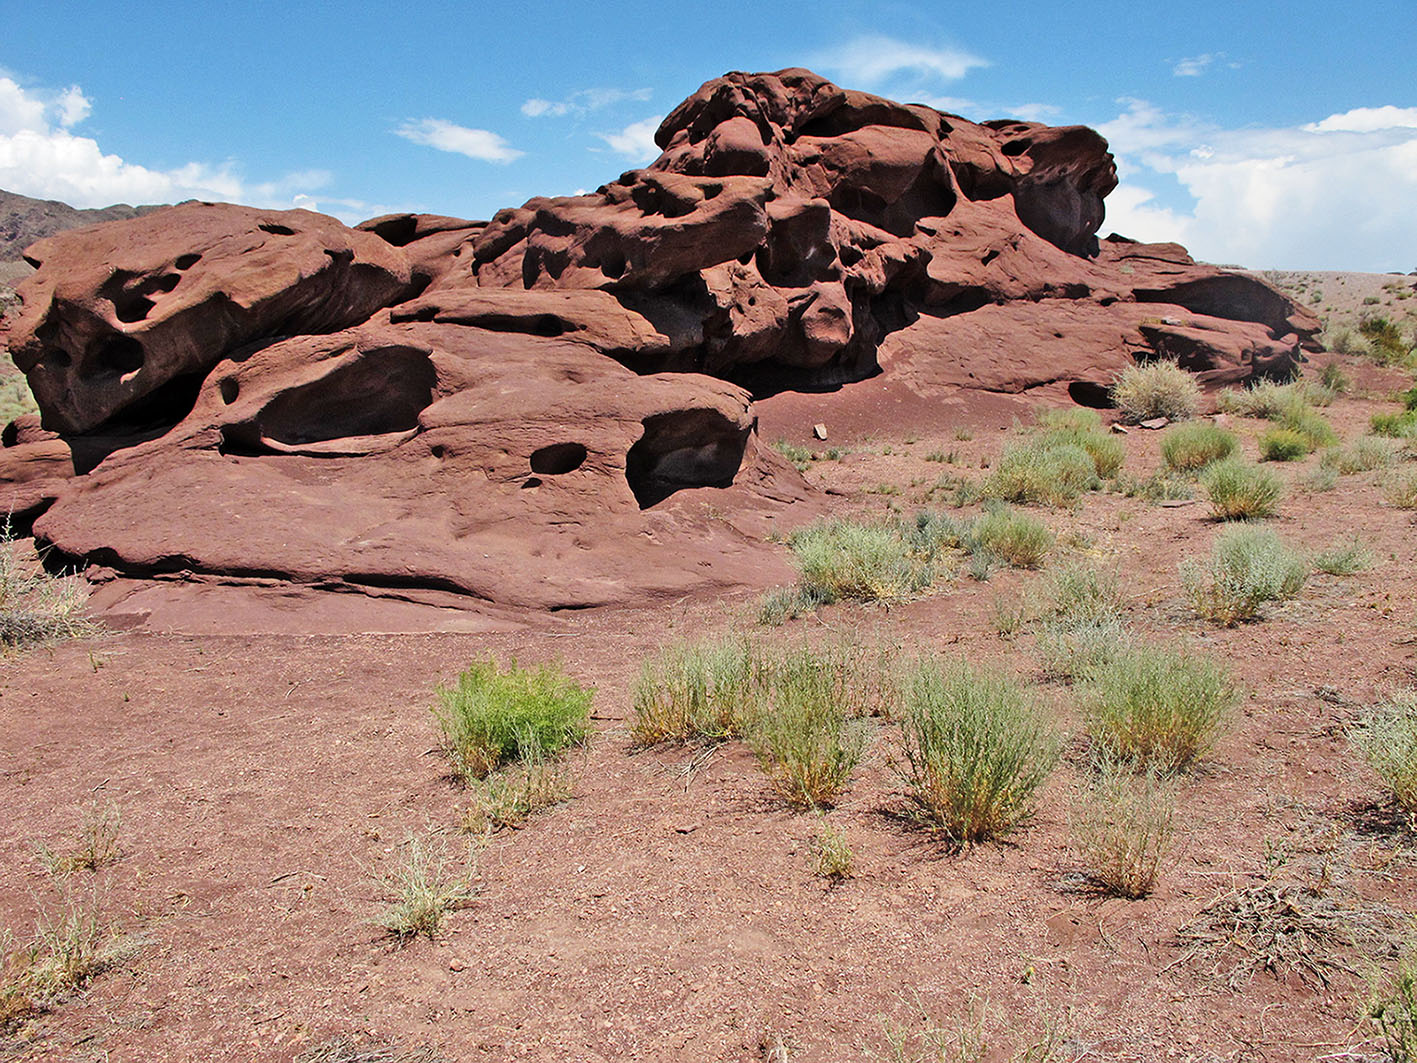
(24, 220)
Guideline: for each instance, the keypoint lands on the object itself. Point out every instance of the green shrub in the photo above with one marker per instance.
(1394, 425)
(800, 457)
(1072, 649)
(1247, 567)
(975, 749)
(1392, 1007)
(847, 559)
(1160, 486)
(1385, 342)
(1333, 378)
(1310, 424)
(1122, 825)
(507, 799)
(1081, 592)
(1283, 444)
(1387, 739)
(1082, 427)
(805, 741)
(1036, 472)
(1157, 389)
(1189, 447)
(1014, 538)
(830, 856)
(1158, 708)
(491, 717)
(1240, 491)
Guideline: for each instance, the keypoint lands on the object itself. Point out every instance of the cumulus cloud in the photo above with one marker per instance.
(41, 156)
(582, 102)
(481, 144)
(1193, 67)
(871, 61)
(636, 141)
(1335, 193)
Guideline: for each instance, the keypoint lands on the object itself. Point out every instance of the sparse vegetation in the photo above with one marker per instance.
(1344, 559)
(703, 691)
(1247, 568)
(1158, 708)
(493, 716)
(1189, 447)
(1387, 739)
(1122, 826)
(1156, 389)
(1047, 475)
(506, 799)
(1014, 538)
(830, 856)
(427, 885)
(854, 560)
(1362, 455)
(35, 606)
(97, 842)
(1392, 1008)
(1240, 491)
(1400, 488)
(976, 747)
(805, 741)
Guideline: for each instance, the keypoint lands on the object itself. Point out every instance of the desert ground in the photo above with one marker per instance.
(268, 782)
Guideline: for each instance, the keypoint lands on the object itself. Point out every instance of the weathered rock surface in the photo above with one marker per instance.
(498, 412)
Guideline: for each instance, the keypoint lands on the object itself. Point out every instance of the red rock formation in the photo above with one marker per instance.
(428, 406)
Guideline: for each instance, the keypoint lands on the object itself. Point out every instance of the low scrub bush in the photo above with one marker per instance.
(423, 889)
(35, 606)
(830, 856)
(805, 741)
(1189, 447)
(1082, 592)
(1401, 425)
(1240, 491)
(1045, 475)
(1284, 444)
(1157, 389)
(1161, 486)
(1273, 401)
(848, 559)
(1082, 427)
(1247, 567)
(492, 716)
(1308, 424)
(976, 747)
(1334, 379)
(1400, 488)
(1158, 708)
(1122, 825)
(1070, 650)
(702, 691)
(1386, 344)
(1362, 455)
(507, 799)
(1344, 559)
(1016, 539)
(1387, 739)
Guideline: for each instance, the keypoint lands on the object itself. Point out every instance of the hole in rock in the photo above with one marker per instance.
(276, 230)
(1015, 147)
(1087, 393)
(437, 450)
(686, 448)
(613, 265)
(229, 389)
(531, 481)
(119, 355)
(185, 262)
(132, 308)
(381, 391)
(558, 458)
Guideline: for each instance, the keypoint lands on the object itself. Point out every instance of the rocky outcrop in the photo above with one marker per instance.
(522, 411)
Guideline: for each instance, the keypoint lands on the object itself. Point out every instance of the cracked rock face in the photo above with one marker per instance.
(514, 411)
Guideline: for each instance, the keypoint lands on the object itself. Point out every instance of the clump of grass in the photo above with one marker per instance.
(1042, 474)
(854, 560)
(1240, 491)
(97, 843)
(1400, 488)
(1387, 739)
(423, 889)
(1364, 454)
(1122, 825)
(1014, 538)
(1070, 650)
(507, 799)
(1247, 567)
(1157, 708)
(976, 747)
(1160, 486)
(1392, 1008)
(800, 457)
(782, 604)
(1344, 559)
(1082, 427)
(493, 716)
(1082, 592)
(831, 857)
(1401, 425)
(1308, 424)
(35, 606)
(1271, 400)
(1008, 616)
(696, 692)
(1157, 389)
(1334, 379)
(1189, 447)
(1385, 341)
(1284, 444)
(69, 949)
(806, 743)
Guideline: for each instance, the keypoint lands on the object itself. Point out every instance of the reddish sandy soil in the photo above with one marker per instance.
(668, 911)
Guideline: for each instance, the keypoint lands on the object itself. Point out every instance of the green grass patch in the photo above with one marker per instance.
(1284, 444)
(1247, 568)
(1156, 389)
(1189, 447)
(1015, 538)
(1238, 490)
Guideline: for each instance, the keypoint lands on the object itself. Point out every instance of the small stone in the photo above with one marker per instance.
(456, 964)
(1120, 429)
(820, 431)
(1155, 423)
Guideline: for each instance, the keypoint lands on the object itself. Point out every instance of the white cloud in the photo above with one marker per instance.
(1336, 193)
(869, 62)
(1193, 67)
(636, 141)
(445, 136)
(582, 102)
(1366, 120)
(41, 156)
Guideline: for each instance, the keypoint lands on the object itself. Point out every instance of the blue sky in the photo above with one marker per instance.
(1263, 134)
